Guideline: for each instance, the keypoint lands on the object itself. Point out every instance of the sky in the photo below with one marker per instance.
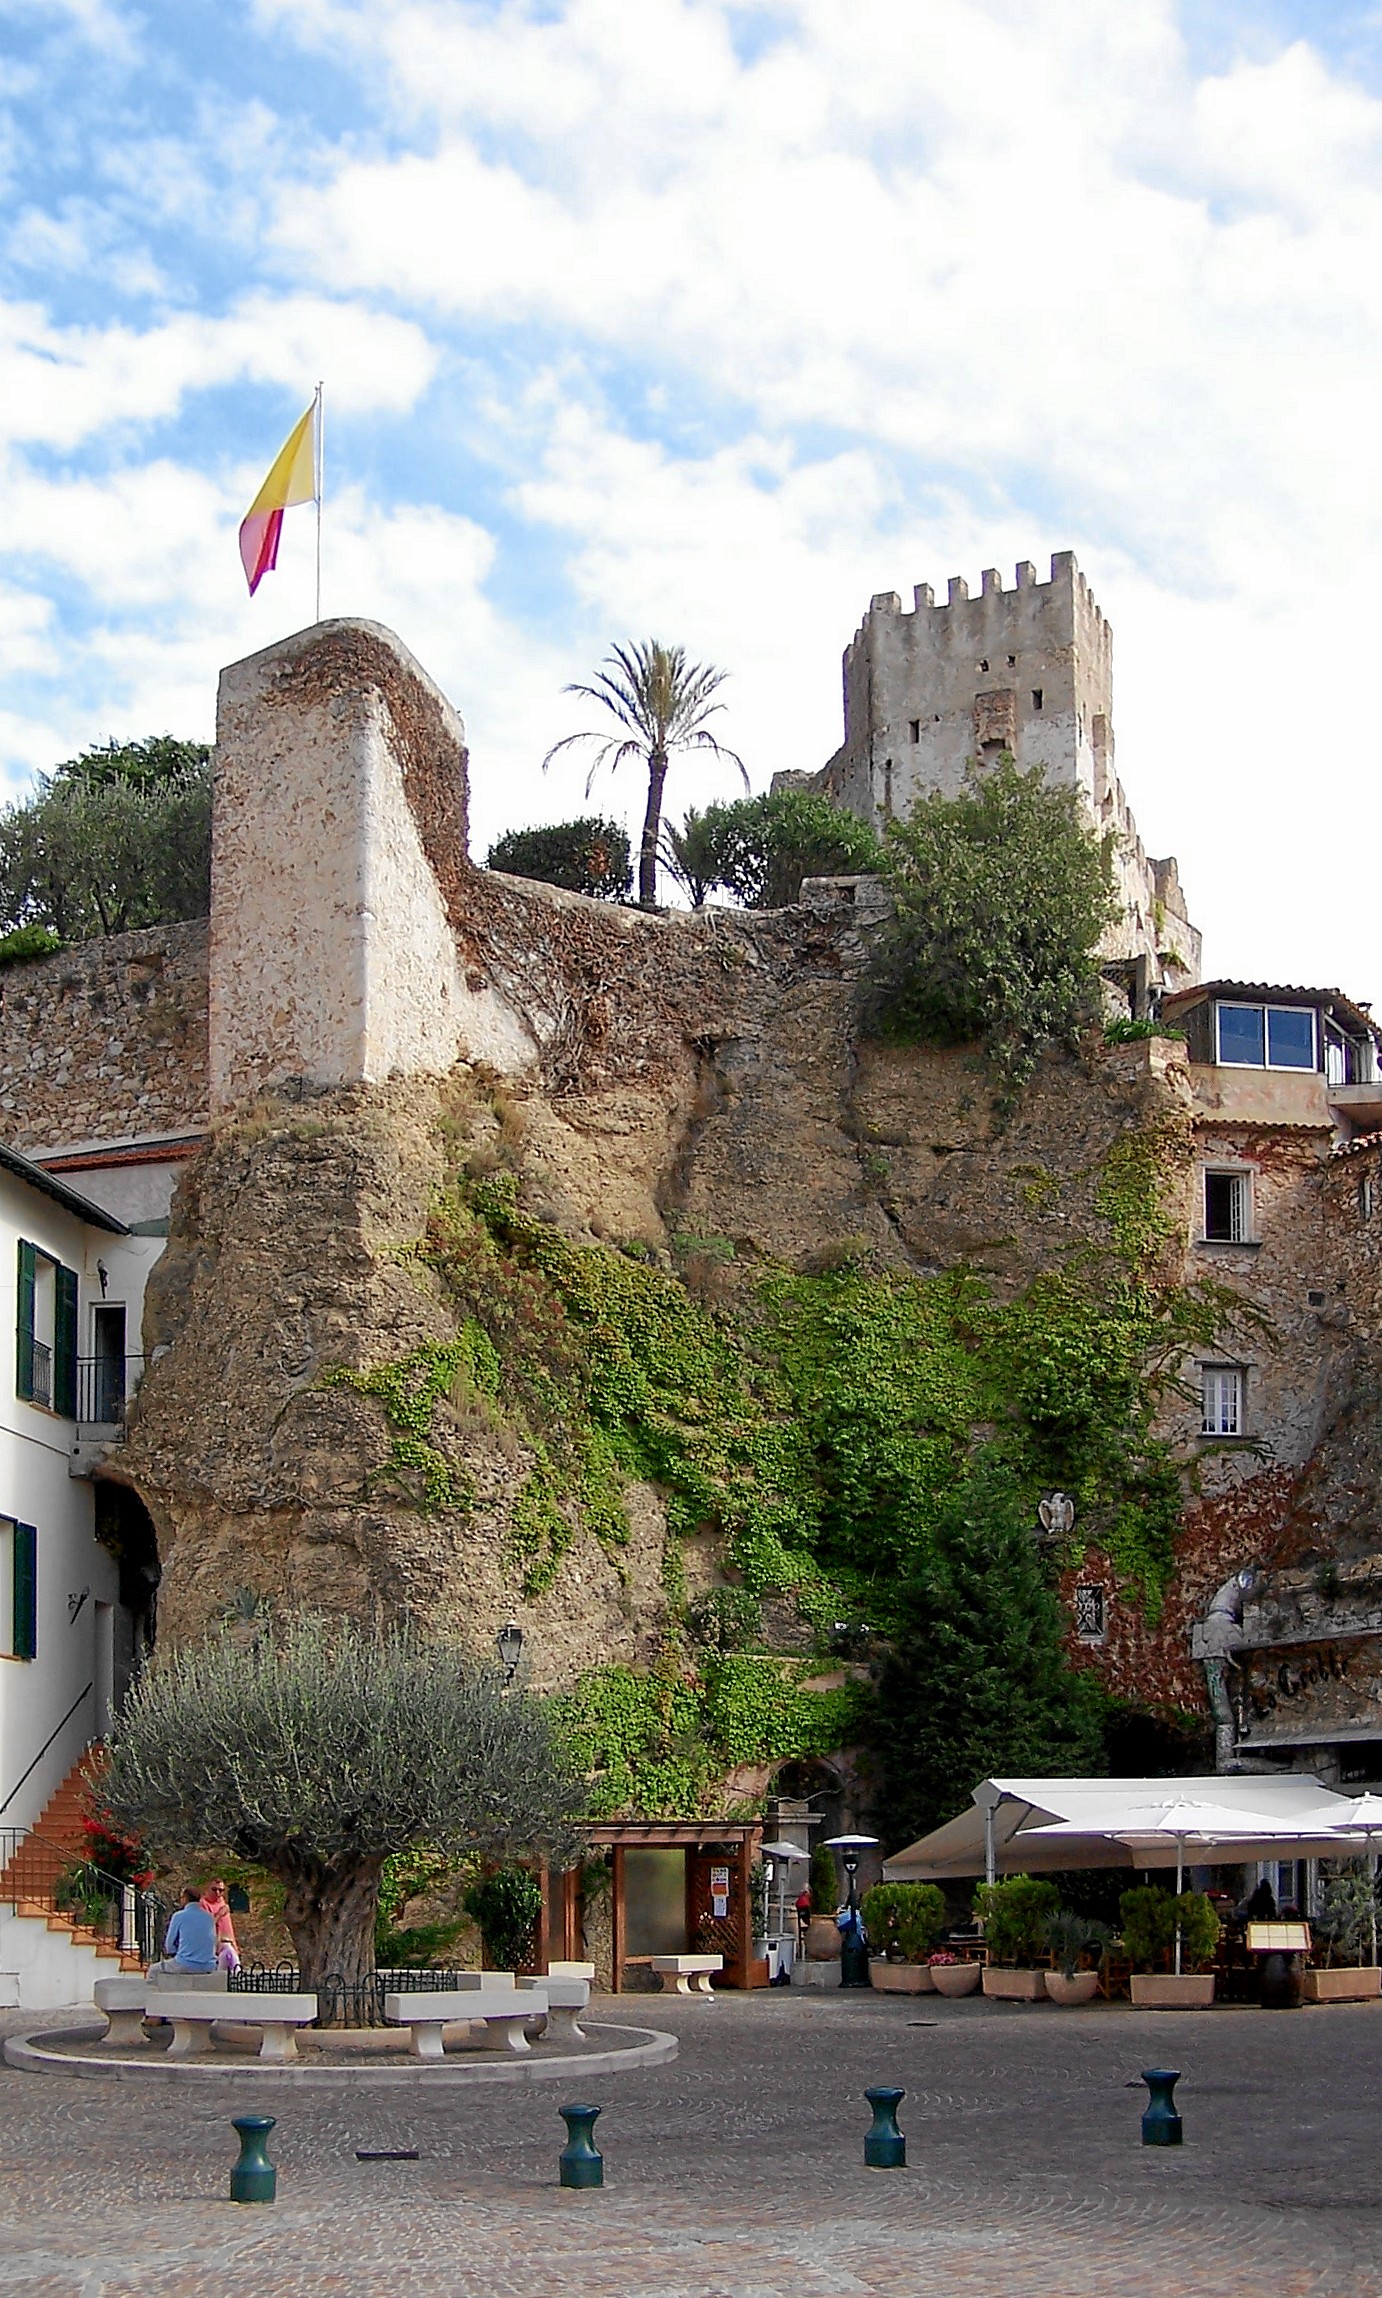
(706, 321)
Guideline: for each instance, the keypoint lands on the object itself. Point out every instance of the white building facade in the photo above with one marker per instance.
(72, 1626)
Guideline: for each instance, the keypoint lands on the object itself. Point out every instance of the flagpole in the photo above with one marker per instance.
(321, 476)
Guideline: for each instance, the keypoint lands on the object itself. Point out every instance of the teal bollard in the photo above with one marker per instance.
(885, 2148)
(582, 2164)
(254, 2178)
(1161, 2125)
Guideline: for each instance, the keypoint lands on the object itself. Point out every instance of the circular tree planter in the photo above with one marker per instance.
(901, 1978)
(1014, 1986)
(823, 1939)
(1081, 1988)
(955, 1978)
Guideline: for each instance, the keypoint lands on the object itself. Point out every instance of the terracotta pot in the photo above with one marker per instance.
(901, 1978)
(1342, 1986)
(1163, 1991)
(1082, 1988)
(955, 1978)
(1014, 1986)
(823, 1939)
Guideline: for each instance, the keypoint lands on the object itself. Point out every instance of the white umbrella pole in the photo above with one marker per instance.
(1180, 1886)
(1372, 1899)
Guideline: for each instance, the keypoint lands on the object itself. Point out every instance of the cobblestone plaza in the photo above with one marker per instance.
(737, 2172)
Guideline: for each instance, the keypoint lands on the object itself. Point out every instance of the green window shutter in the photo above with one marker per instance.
(65, 1344)
(25, 1637)
(24, 1357)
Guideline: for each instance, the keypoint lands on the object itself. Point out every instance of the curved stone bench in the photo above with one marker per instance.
(503, 2009)
(123, 1999)
(276, 2016)
(566, 1999)
(687, 1974)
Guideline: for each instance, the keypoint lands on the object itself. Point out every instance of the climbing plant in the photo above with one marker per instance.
(839, 1430)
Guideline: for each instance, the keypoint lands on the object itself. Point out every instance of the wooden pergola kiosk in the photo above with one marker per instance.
(676, 1887)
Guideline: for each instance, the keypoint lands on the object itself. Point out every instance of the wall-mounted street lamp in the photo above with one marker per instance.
(509, 1644)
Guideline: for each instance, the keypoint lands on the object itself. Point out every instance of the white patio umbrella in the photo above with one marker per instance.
(780, 1854)
(1364, 1818)
(1181, 1821)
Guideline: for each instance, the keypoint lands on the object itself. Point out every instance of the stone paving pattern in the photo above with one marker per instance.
(737, 2172)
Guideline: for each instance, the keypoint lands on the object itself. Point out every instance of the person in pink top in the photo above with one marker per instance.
(218, 1908)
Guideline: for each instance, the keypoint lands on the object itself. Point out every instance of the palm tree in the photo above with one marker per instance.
(662, 703)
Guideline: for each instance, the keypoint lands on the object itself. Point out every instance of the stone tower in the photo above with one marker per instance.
(1029, 671)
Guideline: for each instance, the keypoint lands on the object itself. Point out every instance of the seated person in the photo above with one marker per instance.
(190, 1942)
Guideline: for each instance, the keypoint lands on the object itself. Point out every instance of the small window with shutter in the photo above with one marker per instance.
(46, 1334)
(18, 1590)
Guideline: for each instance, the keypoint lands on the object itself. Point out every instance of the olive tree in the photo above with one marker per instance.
(325, 1747)
(117, 838)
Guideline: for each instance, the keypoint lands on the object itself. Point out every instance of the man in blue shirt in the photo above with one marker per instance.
(190, 1943)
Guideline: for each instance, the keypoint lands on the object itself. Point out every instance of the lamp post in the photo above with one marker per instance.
(509, 1645)
(854, 1953)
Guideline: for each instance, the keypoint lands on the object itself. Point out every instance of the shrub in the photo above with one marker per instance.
(1070, 1937)
(1014, 1914)
(588, 856)
(506, 1905)
(1123, 1030)
(1148, 1923)
(906, 1917)
(1000, 898)
(1199, 1928)
(759, 849)
(1344, 1914)
(825, 1881)
(28, 942)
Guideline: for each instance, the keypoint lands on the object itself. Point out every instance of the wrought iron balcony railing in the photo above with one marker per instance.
(106, 1387)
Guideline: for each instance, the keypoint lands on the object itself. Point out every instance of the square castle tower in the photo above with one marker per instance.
(1028, 671)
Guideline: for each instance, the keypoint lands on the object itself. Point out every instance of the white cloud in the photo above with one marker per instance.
(61, 386)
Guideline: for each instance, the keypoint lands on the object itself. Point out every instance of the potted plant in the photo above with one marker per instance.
(951, 1976)
(758, 1910)
(1151, 1917)
(1069, 1939)
(903, 1921)
(822, 1935)
(1014, 1915)
(1343, 1930)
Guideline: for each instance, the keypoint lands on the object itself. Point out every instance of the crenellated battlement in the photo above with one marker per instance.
(1024, 670)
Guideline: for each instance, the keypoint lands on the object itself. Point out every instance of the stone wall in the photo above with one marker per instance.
(656, 1078)
(106, 1040)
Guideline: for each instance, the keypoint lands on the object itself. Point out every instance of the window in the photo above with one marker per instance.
(18, 1590)
(1221, 1394)
(1365, 1197)
(1038, 697)
(1089, 1612)
(1227, 1208)
(915, 724)
(46, 1336)
(1266, 1036)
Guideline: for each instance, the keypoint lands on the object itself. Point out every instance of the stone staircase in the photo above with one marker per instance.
(28, 1884)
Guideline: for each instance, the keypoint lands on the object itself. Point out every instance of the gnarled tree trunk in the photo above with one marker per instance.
(331, 1913)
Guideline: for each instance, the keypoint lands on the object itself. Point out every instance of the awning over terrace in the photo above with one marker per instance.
(1288, 1816)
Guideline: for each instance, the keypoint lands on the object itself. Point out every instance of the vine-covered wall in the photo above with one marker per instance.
(679, 1373)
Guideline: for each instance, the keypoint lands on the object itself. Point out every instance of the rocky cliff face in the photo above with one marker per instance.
(762, 1133)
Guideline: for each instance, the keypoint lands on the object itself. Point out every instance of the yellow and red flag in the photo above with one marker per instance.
(292, 479)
